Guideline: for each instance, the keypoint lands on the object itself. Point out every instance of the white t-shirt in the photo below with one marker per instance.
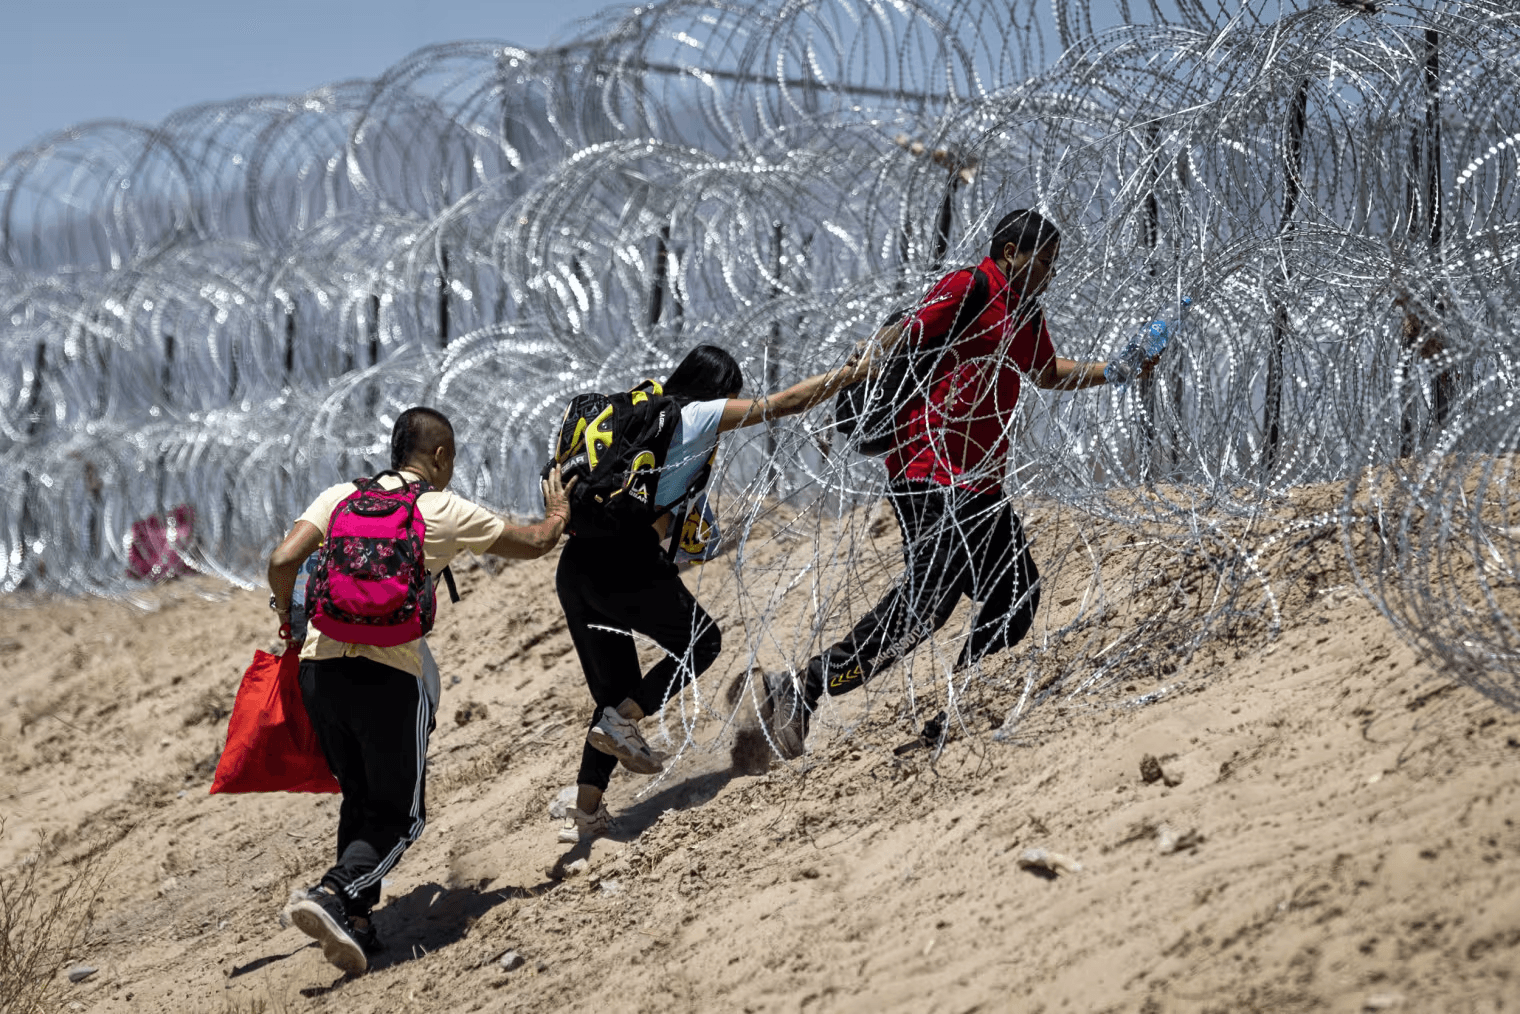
(454, 524)
(695, 440)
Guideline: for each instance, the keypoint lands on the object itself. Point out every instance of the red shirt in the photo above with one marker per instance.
(958, 435)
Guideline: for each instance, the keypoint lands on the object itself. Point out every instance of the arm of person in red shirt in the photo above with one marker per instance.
(1057, 374)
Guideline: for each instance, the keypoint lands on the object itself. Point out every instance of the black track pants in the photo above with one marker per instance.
(954, 543)
(373, 723)
(627, 584)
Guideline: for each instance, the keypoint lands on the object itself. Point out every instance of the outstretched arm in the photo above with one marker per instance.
(800, 396)
(1069, 375)
(529, 542)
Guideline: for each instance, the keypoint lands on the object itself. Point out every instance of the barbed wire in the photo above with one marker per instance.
(228, 309)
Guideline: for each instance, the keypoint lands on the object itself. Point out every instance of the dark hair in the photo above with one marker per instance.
(1026, 229)
(706, 374)
(415, 429)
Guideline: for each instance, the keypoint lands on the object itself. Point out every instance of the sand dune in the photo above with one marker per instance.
(1330, 825)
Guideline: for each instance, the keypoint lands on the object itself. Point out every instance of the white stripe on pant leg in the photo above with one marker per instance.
(424, 719)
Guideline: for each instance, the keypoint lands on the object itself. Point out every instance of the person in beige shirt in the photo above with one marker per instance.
(368, 704)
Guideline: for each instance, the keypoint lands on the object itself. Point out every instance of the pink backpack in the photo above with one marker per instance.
(371, 584)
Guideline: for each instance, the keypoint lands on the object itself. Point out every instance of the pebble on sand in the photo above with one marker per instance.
(1170, 841)
(1051, 862)
(79, 973)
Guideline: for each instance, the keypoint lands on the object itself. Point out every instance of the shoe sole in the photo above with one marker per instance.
(573, 836)
(637, 763)
(338, 947)
(787, 743)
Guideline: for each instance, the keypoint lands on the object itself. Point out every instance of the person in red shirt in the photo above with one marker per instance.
(946, 469)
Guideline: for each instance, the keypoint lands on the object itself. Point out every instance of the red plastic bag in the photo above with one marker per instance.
(153, 553)
(271, 746)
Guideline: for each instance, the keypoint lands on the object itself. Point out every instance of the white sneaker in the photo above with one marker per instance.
(580, 826)
(618, 736)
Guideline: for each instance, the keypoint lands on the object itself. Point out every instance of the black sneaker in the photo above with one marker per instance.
(366, 938)
(319, 914)
(785, 714)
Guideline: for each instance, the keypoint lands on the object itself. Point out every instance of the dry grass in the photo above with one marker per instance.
(47, 905)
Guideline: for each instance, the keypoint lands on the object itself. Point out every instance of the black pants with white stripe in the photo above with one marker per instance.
(955, 543)
(373, 723)
(610, 586)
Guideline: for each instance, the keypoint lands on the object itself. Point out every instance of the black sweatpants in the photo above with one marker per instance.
(625, 583)
(373, 723)
(955, 543)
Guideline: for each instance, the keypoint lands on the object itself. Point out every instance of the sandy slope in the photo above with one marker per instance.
(1343, 818)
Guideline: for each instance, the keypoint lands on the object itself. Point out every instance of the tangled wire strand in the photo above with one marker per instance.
(229, 308)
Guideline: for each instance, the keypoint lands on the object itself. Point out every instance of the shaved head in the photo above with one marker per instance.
(420, 431)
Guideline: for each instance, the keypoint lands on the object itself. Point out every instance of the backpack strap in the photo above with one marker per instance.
(366, 483)
(932, 353)
(677, 510)
(448, 579)
(972, 307)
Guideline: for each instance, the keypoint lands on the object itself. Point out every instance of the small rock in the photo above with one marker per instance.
(8, 645)
(1050, 862)
(469, 712)
(611, 887)
(511, 961)
(541, 967)
(79, 973)
(578, 867)
(1383, 1001)
(1159, 769)
(169, 884)
(1169, 841)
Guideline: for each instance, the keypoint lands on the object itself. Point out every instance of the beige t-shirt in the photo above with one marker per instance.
(454, 524)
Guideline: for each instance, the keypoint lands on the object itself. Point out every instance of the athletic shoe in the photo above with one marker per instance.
(319, 914)
(785, 714)
(618, 736)
(366, 938)
(581, 826)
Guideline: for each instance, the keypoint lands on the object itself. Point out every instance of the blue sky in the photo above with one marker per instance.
(72, 61)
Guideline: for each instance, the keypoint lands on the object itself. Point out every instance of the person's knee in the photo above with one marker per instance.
(708, 647)
(941, 608)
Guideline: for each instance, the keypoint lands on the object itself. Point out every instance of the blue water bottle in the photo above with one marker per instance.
(298, 611)
(1145, 344)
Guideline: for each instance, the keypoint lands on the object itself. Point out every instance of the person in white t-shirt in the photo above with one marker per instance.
(368, 705)
(615, 584)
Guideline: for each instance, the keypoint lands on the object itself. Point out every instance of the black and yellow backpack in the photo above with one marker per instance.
(616, 445)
